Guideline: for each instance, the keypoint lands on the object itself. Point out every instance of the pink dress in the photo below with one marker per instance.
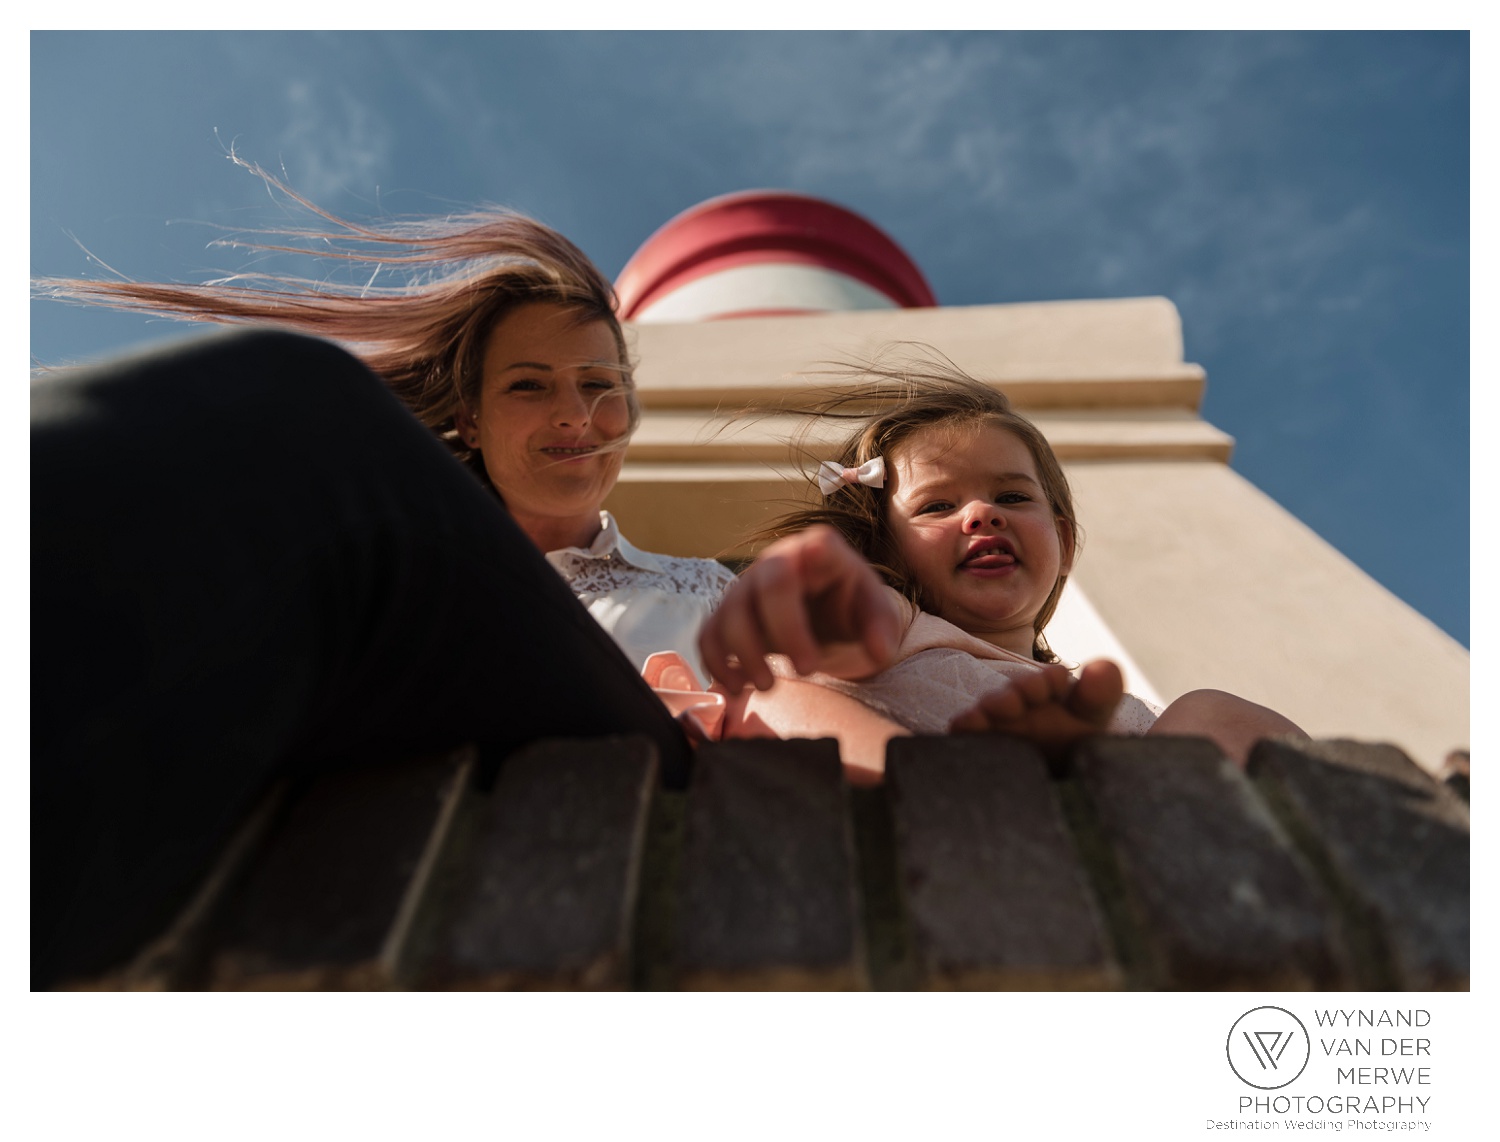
(940, 671)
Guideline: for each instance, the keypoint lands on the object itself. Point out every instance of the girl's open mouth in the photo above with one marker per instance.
(991, 561)
(989, 554)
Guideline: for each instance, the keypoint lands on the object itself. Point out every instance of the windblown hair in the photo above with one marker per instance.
(425, 336)
(922, 392)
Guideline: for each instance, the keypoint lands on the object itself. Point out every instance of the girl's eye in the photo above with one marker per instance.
(1012, 498)
(935, 506)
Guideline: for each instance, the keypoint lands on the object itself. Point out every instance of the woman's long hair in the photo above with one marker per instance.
(426, 335)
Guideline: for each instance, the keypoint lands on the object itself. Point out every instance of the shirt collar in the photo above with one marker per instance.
(607, 542)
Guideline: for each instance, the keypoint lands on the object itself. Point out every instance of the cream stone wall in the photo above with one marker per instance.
(1211, 583)
(1061, 354)
(1189, 573)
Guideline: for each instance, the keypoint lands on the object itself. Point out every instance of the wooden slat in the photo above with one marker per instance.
(768, 897)
(1394, 840)
(995, 894)
(327, 904)
(889, 958)
(1219, 894)
(656, 908)
(548, 870)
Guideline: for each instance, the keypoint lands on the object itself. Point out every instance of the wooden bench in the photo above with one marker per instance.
(1137, 863)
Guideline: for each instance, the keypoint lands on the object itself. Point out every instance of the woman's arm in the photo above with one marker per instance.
(795, 709)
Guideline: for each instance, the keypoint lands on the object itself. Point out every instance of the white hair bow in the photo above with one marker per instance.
(870, 473)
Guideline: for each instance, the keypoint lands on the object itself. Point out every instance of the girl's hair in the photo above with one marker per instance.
(425, 336)
(921, 393)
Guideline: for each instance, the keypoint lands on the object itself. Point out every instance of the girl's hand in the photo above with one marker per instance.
(811, 597)
(1050, 708)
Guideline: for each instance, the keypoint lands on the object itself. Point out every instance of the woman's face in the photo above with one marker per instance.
(553, 392)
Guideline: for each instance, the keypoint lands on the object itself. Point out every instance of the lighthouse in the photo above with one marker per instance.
(1188, 575)
(763, 253)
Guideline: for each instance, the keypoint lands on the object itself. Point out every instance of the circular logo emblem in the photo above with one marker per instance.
(1268, 1047)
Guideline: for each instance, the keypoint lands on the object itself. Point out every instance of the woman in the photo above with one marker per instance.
(508, 347)
(249, 557)
(549, 418)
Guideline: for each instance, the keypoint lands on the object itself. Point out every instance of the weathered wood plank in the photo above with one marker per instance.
(995, 894)
(768, 897)
(889, 958)
(548, 870)
(326, 905)
(1396, 844)
(1218, 893)
(652, 967)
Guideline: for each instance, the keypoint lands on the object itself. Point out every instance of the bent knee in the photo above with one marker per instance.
(293, 365)
(287, 385)
(1216, 701)
(1206, 709)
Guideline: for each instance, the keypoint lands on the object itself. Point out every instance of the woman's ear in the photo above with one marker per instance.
(1068, 540)
(466, 426)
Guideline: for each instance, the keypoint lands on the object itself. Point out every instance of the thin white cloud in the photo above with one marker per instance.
(333, 142)
(897, 113)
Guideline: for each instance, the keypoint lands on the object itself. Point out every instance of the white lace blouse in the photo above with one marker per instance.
(648, 602)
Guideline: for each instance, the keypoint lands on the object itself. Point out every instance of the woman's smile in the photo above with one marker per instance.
(569, 452)
(553, 416)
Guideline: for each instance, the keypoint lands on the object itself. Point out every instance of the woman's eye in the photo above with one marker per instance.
(524, 386)
(599, 384)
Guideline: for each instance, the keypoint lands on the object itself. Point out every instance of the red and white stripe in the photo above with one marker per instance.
(763, 252)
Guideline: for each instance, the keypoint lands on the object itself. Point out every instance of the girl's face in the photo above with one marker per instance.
(552, 393)
(970, 518)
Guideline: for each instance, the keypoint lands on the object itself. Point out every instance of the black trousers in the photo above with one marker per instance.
(248, 559)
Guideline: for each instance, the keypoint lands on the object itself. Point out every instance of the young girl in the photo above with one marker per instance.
(961, 507)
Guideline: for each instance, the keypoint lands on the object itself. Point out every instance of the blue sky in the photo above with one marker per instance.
(1303, 198)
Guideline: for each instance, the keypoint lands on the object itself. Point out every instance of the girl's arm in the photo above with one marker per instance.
(811, 597)
(795, 709)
